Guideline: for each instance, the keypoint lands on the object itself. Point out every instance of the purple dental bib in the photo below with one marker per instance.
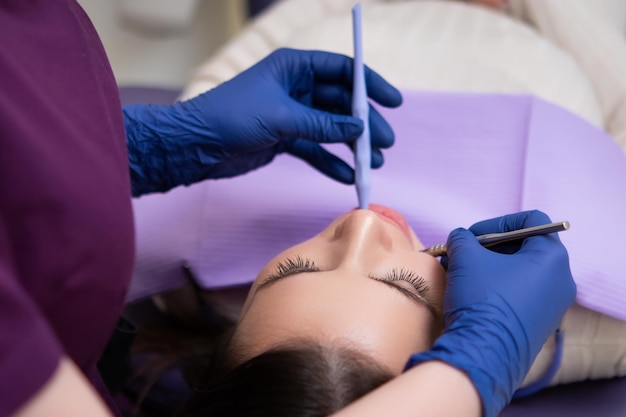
(458, 159)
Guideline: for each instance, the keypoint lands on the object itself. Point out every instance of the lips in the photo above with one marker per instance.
(392, 215)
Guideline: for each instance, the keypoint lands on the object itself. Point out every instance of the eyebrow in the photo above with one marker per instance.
(419, 299)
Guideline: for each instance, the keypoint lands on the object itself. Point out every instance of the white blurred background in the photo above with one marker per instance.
(160, 42)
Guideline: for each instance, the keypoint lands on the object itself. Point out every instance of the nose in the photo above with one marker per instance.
(362, 237)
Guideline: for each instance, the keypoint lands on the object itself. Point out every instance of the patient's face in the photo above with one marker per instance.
(361, 282)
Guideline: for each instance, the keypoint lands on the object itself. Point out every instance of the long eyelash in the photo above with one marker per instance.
(295, 265)
(417, 281)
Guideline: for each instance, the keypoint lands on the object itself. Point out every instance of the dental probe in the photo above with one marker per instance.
(492, 239)
(360, 109)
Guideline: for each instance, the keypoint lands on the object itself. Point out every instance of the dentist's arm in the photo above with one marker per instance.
(432, 389)
(67, 393)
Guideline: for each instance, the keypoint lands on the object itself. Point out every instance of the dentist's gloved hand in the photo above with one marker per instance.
(289, 102)
(500, 308)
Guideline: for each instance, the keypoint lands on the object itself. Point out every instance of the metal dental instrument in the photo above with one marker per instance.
(360, 109)
(492, 239)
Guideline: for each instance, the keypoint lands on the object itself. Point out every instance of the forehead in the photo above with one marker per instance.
(337, 307)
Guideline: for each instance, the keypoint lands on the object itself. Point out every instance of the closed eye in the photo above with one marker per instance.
(417, 281)
(420, 287)
(418, 292)
(291, 266)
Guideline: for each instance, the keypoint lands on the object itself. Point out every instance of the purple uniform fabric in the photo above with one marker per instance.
(458, 159)
(66, 231)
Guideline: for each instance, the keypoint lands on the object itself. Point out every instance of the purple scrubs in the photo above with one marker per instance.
(66, 226)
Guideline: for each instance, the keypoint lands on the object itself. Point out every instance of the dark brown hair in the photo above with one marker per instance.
(301, 378)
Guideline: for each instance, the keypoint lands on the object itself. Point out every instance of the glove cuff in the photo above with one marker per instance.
(167, 147)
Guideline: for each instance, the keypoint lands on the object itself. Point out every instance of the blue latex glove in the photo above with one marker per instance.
(500, 308)
(289, 102)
